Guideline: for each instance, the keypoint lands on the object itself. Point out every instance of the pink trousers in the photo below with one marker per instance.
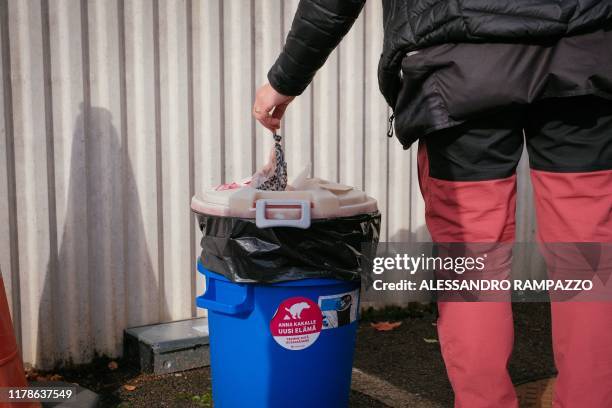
(477, 337)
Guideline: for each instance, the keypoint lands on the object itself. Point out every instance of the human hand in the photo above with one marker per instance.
(269, 106)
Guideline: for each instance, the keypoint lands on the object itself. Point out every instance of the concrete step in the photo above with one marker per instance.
(168, 347)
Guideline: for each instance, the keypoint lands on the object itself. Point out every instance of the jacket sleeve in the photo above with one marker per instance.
(317, 28)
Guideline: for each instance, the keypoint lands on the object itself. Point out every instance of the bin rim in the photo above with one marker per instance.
(297, 282)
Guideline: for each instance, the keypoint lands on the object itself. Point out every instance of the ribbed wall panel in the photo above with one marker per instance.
(34, 193)
(375, 115)
(143, 234)
(73, 276)
(114, 113)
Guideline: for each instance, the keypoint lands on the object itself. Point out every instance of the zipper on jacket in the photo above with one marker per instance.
(390, 125)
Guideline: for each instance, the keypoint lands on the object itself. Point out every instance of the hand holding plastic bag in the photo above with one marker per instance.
(272, 177)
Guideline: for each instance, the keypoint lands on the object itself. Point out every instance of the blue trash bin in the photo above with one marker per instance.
(282, 345)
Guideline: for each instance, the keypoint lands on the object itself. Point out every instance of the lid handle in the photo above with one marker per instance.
(262, 222)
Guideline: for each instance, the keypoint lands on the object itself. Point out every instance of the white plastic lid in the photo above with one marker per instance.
(319, 198)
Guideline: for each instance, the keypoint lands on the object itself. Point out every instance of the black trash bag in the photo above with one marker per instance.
(330, 248)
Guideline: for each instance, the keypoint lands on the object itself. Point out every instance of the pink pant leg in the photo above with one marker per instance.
(582, 337)
(577, 207)
(476, 338)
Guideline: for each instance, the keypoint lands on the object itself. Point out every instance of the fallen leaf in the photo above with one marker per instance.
(56, 377)
(113, 365)
(386, 326)
(129, 387)
(31, 374)
(430, 340)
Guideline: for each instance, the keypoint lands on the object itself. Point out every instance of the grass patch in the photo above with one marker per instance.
(203, 400)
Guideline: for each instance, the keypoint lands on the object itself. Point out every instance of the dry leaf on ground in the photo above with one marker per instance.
(129, 387)
(113, 365)
(386, 326)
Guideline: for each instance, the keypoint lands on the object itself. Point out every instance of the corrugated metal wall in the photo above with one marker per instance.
(115, 112)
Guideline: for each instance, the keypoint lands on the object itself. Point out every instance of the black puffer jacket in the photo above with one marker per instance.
(411, 25)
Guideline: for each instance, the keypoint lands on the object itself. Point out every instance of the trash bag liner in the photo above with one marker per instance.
(331, 248)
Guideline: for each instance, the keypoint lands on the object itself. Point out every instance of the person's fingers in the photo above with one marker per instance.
(274, 122)
(269, 107)
(260, 112)
(270, 123)
(262, 107)
(279, 111)
(266, 119)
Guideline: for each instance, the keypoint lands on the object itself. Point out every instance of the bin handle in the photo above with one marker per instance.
(209, 300)
(262, 222)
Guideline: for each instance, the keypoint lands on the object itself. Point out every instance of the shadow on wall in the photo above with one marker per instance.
(102, 276)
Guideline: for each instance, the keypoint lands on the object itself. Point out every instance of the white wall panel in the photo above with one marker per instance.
(208, 73)
(325, 119)
(31, 171)
(298, 130)
(269, 36)
(105, 171)
(115, 112)
(351, 109)
(142, 194)
(238, 127)
(71, 185)
(175, 150)
(375, 113)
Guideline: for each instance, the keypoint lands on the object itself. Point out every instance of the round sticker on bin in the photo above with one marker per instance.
(297, 323)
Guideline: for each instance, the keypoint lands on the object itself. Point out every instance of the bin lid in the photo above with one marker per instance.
(325, 199)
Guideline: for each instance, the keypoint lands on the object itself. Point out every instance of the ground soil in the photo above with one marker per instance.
(405, 359)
